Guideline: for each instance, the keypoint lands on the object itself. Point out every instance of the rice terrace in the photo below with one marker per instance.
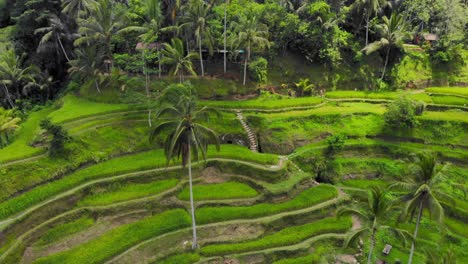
(233, 131)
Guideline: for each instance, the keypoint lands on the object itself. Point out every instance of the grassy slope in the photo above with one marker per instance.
(21, 148)
(117, 240)
(127, 192)
(74, 107)
(226, 190)
(137, 162)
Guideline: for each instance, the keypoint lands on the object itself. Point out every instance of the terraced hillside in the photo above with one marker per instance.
(114, 199)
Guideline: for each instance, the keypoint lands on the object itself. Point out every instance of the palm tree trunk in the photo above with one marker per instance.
(97, 85)
(146, 87)
(225, 35)
(201, 56)
(8, 97)
(63, 49)
(192, 208)
(418, 220)
(246, 62)
(159, 64)
(367, 27)
(386, 62)
(371, 248)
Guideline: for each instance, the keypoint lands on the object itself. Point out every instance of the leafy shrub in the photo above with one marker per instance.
(59, 137)
(335, 143)
(402, 113)
(258, 69)
(305, 199)
(287, 236)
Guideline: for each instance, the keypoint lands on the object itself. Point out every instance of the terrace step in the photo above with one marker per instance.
(250, 135)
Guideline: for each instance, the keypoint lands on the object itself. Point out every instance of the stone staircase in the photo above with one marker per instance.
(252, 139)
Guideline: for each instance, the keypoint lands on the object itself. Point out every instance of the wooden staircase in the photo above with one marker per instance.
(253, 146)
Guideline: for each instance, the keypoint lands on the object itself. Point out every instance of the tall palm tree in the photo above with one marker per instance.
(372, 214)
(251, 34)
(422, 192)
(104, 21)
(53, 34)
(88, 65)
(393, 33)
(370, 8)
(180, 117)
(74, 7)
(15, 77)
(196, 16)
(174, 55)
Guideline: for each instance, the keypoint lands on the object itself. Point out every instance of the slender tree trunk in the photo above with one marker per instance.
(63, 49)
(225, 36)
(367, 27)
(8, 97)
(371, 247)
(192, 208)
(97, 85)
(201, 56)
(159, 64)
(147, 88)
(180, 77)
(386, 62)
(246, 62)
(418, 220)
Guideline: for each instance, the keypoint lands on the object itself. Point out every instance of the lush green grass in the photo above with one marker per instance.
(362, 165)
(287, 236)
(364, 184)
(141, 161)
(226, 190)
(453, 116)
(449, 100)
(305, 199)
(266, 103)
(463, 91)
(331, 109)
(185, 258)
(319, 253)
(58, 232)
(74, 107)
(117, 240)
(362, 94)
(129, 191)
(20, 148)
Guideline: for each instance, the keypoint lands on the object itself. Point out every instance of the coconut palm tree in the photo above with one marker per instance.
(372, 214)
(251, 34)
(15, 77)
(196, 16)
(88, 65)
(180, 118)
(370, 8)
(422, 192)
(104, 21)
(174, 54)
(52, 36)
(74, 7)
(393, 33)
